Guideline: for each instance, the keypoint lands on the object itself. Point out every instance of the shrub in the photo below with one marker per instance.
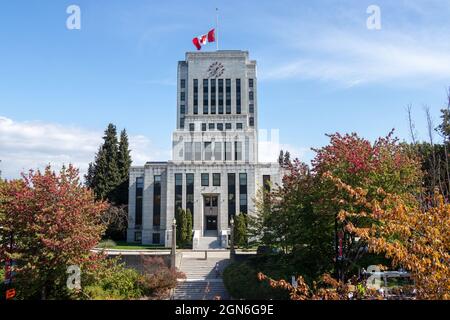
(107, 279)
(241, 281)
(157, 279)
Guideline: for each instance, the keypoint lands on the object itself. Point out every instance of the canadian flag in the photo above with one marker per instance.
(204, 39)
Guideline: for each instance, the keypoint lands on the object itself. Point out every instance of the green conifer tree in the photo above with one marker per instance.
(124, 164)
(189, 226)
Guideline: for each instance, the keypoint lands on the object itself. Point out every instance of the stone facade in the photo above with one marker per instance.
(214, 169)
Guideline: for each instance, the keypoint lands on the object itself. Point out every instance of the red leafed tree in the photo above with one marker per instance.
(53, 222)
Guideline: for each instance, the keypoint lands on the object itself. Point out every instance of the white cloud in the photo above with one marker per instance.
(356, 56)
(34, 144)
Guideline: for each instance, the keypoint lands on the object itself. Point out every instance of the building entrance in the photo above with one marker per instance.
(211, 211)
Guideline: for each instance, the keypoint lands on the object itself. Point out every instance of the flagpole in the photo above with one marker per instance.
(217, 29)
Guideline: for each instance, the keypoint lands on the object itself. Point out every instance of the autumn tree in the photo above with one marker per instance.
(413, 238)
(54, 222)
(302, 214)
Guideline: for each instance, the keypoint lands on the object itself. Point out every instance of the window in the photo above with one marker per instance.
(231, 196)
(252, 108)
(216, 179)
(182, 119)
(228, 151)
(191, 126)
(178, 191)
(238, 151)
(228, 95)
(195, 96)
(238, 96)
(139, 196)
(188, 151)
(198, 151)
(251, 96)
(183, 96)
(182, 109)
(190, 192)
(250, 83)
(157, 201)
(213, 96)
(203, 126)
(266, 183)
(227, 126)
(211, 126)
(252, 122)
(220, 126)
(138, 236)
(156, 238)
(218, 151)
(205, 97)
(183, 84)
(239, 126)
(205, 179)
(208, 151)
(220, 96)
(243, 192)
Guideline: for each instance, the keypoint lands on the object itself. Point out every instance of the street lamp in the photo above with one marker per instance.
(174, 244)
(232, 250)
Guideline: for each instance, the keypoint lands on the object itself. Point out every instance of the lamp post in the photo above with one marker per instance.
(232, 250)
(174, 244)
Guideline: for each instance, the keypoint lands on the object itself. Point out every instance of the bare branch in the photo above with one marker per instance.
(412, 126)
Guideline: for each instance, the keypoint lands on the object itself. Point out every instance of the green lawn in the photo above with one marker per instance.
(122, 245)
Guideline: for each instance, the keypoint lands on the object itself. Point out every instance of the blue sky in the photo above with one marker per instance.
(320, 71)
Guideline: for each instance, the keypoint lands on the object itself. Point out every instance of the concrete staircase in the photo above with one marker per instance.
(202, 281)
(209, 243)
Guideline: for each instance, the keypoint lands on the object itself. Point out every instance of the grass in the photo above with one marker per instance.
(122, 245)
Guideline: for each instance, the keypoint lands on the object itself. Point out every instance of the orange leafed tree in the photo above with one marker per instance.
(415, 239)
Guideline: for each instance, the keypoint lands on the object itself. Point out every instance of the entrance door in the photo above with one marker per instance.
(211, 223)
(211, 211)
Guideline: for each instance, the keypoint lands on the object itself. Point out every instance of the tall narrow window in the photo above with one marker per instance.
(243, 206)
(231, 196)
(190, 192)
(208, 151)
(238, 151)
(220, 96)
(250, 83)
(178, 191)
(266, 183)
(183, 96)
(218, 151)
(228, 96)
(191, 127)
(182, 120)
(188, 151)
(195, 96)
(252, 122)
(205, 97)
(157, 201)
(198, 151)
(228, 152)
(183, 84)
(238, 96)
(213, 96)
(139, 196)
